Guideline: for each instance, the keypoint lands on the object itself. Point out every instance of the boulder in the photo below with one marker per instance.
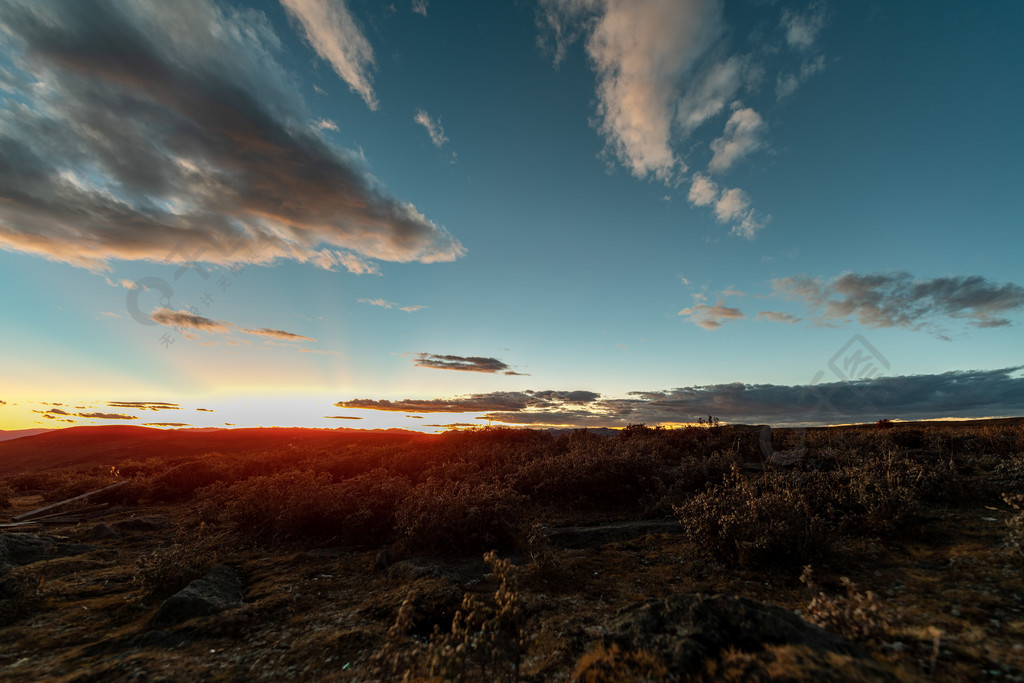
(215, 592)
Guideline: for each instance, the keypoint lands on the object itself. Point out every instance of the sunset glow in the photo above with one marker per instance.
(550, 214)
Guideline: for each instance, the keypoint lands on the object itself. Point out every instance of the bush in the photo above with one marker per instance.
(170, 568)
(443, 515)
(741, 521)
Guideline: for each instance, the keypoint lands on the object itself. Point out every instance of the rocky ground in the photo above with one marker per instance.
(97, 596)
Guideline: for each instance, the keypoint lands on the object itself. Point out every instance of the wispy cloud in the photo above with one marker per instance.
(711, 317)
(474, 403)
(185, 320)
(384, 303)
(778, 317)
(802, 27)
(209, 158)
(325, 124)
(433, 126)
(900, 300)
(144, 405)
(277, 334)
(787, 83)
(108, 416)
(332, 32)
(462, 363)
(420, 7)
(731, 205)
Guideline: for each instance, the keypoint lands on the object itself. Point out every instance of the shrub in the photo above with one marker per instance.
(444, 515)
(1015, 524)
(170, 568)
(181, 482)
(741, 521)
(856, 616)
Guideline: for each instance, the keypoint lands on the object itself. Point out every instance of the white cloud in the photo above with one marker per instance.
(711, 317)
(732, 204)
(325, 124)
(750, 224)
(715, 88)
(703, 191)
(331, 30)
(433, 127)
(641, 51)
(802, 28)
(742, 136)
(420, 7)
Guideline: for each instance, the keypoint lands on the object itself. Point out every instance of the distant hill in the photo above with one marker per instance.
(104, 446)
(8, 434)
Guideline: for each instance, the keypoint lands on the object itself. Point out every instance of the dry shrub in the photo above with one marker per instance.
(743, 521)
(856, 616)
(191, 553)
(182, 481)
(6, 493)
(1015, 524)
(594, 470)
(22, 593)
(612, 664)
(485, 643)
(441, 515)
(310, 505)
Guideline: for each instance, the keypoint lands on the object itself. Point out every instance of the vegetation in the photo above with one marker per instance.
(371, 549)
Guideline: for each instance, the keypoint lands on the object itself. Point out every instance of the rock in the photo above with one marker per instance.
(154, 523)
(215, 592)
(410, 570)
(721, 635)
(103, 532)
(22, 549)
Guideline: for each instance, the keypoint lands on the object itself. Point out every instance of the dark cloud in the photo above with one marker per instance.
(144, 405)
(204, 410)
(341, 417)
(190, 321)
(166, 424)
(186, 320)
(108, 416)
(461, 363)
(969, 393)
(278, 334)
(477, 403)
(167, 130)
(899, 300)
(51, 412)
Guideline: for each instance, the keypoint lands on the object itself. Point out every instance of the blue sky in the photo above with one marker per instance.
(564, 212)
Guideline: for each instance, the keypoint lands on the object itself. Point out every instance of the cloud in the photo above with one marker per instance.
(205, 410)
(168, 131)
(732, 204)
(802, 28)
(642, 51)
(703, 191)
(711, 317)
(332, 32)
(277, 334)
(384, 303)
(144, 405)
(325, 124)
(900, 300)
(166, 424)
(462, 363)
(341, 417)
(778, 317)
(716, 87)
(434, 129)
(184, 320)
(189, 321)
(968, 393)
(420, 7)
(787, 83)
(108, 416)
(474, 403)
(742, 136)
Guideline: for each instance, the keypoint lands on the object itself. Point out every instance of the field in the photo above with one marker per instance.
(878, 552)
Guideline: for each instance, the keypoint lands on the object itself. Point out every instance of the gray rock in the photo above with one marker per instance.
(19, 549)
(616, 532)
(215, 592)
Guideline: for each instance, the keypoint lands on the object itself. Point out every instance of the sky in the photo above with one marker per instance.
(344, 213)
